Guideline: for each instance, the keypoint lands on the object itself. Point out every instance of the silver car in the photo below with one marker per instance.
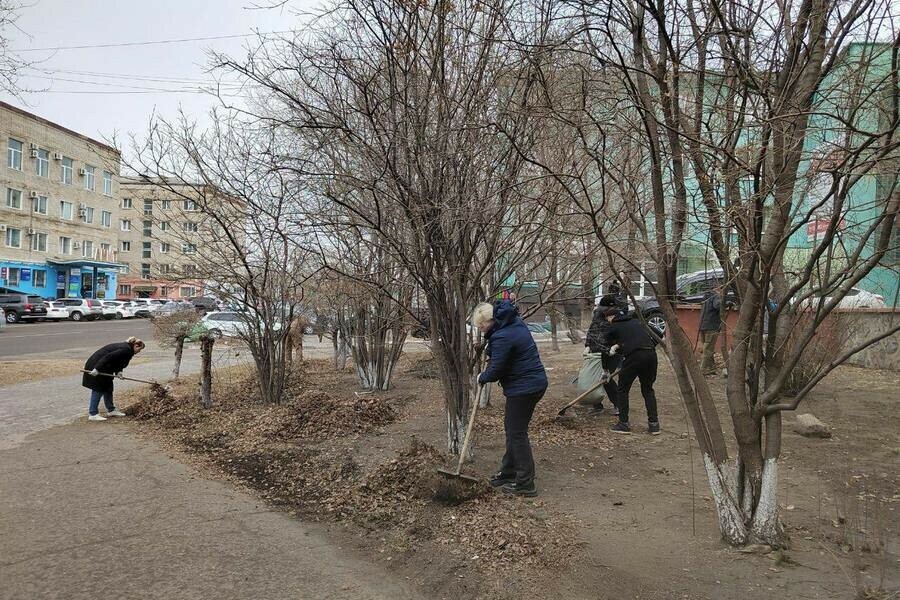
(84, 309)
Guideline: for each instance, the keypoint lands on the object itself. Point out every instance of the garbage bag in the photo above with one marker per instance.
(590, 373)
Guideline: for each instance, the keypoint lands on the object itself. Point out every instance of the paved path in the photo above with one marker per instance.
(55, 337)
(89, 511)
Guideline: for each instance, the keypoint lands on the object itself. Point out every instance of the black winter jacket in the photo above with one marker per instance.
(111, 359)
(631, 335)
(597, 333)
(711, 313)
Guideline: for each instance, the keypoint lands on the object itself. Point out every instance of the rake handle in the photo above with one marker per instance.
(469, 427)
(123, 377)
(603, 380)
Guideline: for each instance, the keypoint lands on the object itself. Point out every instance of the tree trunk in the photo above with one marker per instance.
(179, 352)
(554, 330)
(206, 348)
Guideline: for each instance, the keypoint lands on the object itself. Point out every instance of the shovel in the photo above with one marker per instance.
(603, 380)
(457, 474)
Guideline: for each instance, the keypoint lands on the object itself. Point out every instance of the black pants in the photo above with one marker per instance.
(610, 364)
(518, 460)
(640, 364)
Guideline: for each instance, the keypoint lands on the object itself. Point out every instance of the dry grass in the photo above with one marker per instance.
(13, 372)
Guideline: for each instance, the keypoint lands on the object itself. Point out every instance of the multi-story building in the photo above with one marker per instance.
(59, 212)
(159, 240)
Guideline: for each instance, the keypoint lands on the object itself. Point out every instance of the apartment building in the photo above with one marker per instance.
(59, 213)
(160, 233)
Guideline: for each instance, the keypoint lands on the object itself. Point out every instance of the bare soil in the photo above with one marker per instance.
(617, 516)
(13, 372)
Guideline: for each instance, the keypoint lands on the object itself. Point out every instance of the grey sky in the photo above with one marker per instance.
(54, 23)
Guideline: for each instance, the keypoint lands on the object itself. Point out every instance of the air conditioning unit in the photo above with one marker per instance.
(76, 245)
(34, 153)
(57, 156)
(33, 146)
(33, 194)
(82, 206)
(2, 227)
(82, 213)
(82, 171)
(31, 231)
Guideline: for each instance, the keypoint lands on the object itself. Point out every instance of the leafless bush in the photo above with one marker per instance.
(172, 330)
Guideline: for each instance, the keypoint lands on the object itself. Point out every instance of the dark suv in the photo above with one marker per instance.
(22, 307)
(690, 288)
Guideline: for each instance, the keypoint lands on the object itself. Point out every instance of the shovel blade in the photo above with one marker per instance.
(457, 475)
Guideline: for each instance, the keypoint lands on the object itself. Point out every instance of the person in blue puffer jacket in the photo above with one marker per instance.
(515, 363)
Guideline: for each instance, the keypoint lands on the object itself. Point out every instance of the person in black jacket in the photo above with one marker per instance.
(101, 366)
(596, 342)
(631, 339)
(514, 361)
(710, 325)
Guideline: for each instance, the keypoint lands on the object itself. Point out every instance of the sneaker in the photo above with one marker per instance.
(96, 418)
(653, 428)
(621, 427)
(501, 479)
(514, 489)
(116, 413)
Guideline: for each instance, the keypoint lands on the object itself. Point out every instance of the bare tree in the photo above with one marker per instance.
(172, 330)
(734, 112)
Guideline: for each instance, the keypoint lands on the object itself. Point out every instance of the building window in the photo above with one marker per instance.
(66, 167)
(88, 214)
(165, 247)
(147, 250)
(165, 269)
(42, 162)
(189, 269)
(166, 204)
(14, 198)
(39, 205)
(125, 290)
(89, 178)
(187, 291)
(13, 238)
(189, 227)
(126, 225)
(188, 248)
(124, 269)
(148, 228)
(14, 154)
(13, 277)
(107, 183)
(125, 246)
(40, 277)
(105, 250)
(126, 202)
(65, 210)
(105, 218)
(148, 207)
(163, 225)
(145, 270)
(39, 242)
(190, 205)
(87, 249)
(65, 245)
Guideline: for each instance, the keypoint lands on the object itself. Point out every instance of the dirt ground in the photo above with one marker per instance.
(617, 516)
(13, 372)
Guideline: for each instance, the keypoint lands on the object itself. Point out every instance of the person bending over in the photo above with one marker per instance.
(101, 366)
(515, 363)
(630, 338)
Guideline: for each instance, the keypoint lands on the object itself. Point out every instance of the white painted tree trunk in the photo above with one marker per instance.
(766, 526)
(723, 486)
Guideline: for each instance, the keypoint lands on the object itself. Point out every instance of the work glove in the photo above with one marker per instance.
(586, 351)
(95, 372)
(119, 375)
(614, 350)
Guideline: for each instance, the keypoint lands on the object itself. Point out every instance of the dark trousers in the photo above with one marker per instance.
(518, 460)
(94, 405)
(640, 365)
(610, 364)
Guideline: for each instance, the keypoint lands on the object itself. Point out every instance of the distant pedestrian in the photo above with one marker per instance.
(108, 361)
(630, 338)
(710, 326)
(514, 361)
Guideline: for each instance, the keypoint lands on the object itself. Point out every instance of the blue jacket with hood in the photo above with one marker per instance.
(514, 358)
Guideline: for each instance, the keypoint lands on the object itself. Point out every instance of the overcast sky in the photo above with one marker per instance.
(123, 69)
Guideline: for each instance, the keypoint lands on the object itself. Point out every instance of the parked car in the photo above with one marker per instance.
(118, 309)
(855, 298)
(56, 311)
(142, 307)
(85, 309)
(690, 288)
(224, 323)
(22, 307)
(170, 307)
(205, 304)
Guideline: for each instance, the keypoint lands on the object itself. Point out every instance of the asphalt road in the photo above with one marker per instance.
(58, 337)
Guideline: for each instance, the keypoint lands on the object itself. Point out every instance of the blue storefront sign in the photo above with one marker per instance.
(25, 275)
(74, 290)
